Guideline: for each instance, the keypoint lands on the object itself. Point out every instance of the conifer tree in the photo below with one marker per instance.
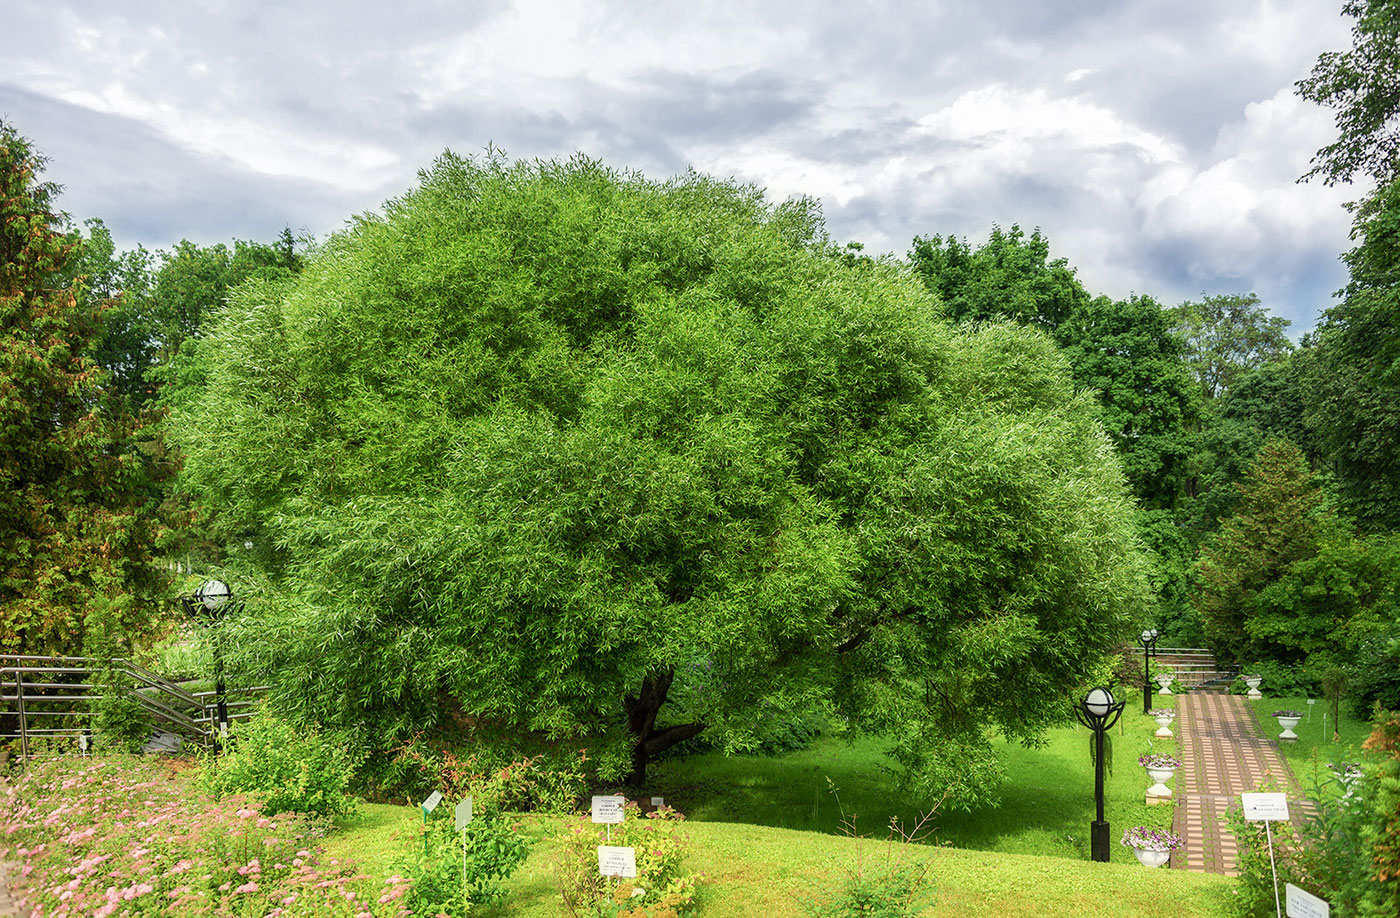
(76, 514)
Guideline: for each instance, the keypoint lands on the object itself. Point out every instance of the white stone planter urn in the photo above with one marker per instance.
(1161, 768)
(1153, 857)
(1164, 720)
(1253, 683)
(1153, 847)
(1164, 681)
(1288, 720)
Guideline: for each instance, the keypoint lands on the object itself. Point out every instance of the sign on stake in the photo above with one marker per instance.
(1303, 904)
(608, 809)
(617, 862)
(1267, 808)
(463, 812)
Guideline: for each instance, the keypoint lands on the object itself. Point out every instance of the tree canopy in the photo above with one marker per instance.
(544, 438)
(76, 516)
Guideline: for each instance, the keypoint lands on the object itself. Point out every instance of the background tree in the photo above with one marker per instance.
(1226, 336)
(1363, 86)
(76, 517)
(546, 435)
(1011, 276)
(1282, 512)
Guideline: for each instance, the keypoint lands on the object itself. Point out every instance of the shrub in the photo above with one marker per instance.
(290, 770)
(454, 872)
(895, 886)
(547, 782)
(660, 889)
(1377, 677)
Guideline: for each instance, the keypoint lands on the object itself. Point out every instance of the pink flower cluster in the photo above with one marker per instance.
(124, 836)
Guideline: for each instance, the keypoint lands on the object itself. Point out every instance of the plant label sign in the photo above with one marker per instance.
(617, 862)
(658, 801)
(1265, 807)
(431, 803)
(1303, 904)
(463, 812)
(608, 809)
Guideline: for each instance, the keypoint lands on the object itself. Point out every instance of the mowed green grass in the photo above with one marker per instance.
(1314, 749)
(1044, 807)
(767, 832)
(759, 870)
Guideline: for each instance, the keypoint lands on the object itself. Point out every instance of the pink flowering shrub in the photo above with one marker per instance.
(123, 836)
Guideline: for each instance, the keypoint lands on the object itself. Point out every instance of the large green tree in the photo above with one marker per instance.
(545, 438)
(77, 516)
(1356, 377)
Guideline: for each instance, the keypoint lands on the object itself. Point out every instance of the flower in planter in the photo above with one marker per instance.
(1159, 760)
(1161, 712)
(1155, 839)
(1287, 713)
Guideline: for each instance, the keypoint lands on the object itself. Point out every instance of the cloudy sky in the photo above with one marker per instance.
(1156, 143)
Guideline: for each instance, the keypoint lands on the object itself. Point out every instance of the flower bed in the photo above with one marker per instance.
(1161, 712)
(127, 836)
(1152, 839)
(1159, 760)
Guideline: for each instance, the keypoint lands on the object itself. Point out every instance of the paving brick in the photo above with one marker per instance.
(1223, 754)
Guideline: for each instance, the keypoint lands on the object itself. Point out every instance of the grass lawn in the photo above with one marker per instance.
(752, 869)
(1044, 807)
(1313, 749)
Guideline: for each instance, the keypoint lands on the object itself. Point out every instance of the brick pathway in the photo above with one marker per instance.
(1223, 754)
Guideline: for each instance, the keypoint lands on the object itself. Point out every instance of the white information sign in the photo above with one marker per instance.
(1265, 807)
(1303, 904)
(608, 809)
(431, 803)
(658, 801)
(463, 813)
(617, 862)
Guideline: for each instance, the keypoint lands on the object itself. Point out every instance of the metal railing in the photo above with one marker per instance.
(56, 698)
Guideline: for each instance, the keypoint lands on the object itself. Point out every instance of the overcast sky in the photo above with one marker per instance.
(1156, 143)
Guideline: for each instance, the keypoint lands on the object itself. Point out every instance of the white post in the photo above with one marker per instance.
(1268, 833)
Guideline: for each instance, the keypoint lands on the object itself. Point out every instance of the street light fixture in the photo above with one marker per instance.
(1098, 711)
(1149, 649)
(213, 602)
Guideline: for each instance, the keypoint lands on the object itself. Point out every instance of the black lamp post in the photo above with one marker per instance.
(211, 603)
(1098, 711)
(1149, 649)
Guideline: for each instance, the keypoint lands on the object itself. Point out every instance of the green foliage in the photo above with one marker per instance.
(1226, 336)
(554, 781)
(545, 432)
(1281, 511)
(661, 888)
(1362, 86)
(76, 521)
(289, 769)
(1376, 679)
(1127, 352)
(456, 873)
(897, 888)
(1011, 276)
(1354, 378)
(1380, 835)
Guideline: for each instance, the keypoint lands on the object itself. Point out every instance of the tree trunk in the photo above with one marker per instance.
(641, 723)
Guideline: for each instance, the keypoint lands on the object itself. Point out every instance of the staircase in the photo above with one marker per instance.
(1196, 668)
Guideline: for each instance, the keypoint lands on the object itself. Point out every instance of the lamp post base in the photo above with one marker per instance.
(1098, 841)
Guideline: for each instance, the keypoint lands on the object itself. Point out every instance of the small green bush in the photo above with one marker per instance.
(454, 872)
(660, 889)
(553, 781)
(288, 769)
(894, 886)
